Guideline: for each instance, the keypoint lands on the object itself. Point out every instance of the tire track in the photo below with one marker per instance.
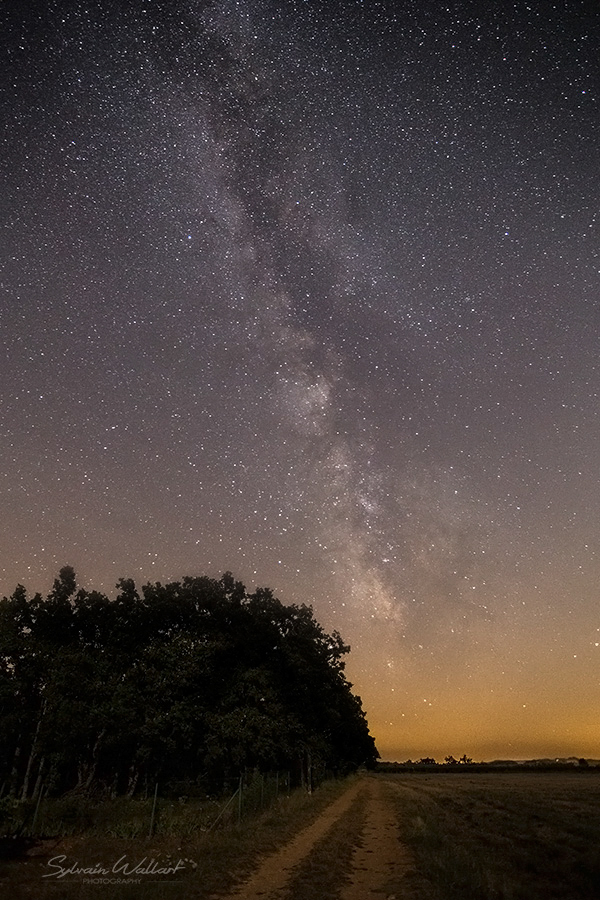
(273, 874)
(382, 862)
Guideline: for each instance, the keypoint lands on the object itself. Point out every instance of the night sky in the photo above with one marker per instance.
(309, 291)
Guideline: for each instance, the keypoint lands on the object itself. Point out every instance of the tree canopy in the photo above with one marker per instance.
(193, 681)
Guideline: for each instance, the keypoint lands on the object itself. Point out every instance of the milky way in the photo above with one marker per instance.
(310, 291)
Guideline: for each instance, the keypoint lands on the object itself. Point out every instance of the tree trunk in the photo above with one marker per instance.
(38, 782)
(14, 772)
(115, 785)
(32, 754)
(86, 769)
(132, 780)
(94, 763)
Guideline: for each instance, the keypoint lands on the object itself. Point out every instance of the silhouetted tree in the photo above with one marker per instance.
(183, 679)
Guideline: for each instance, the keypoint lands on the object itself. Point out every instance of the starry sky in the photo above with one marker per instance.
(309, 291)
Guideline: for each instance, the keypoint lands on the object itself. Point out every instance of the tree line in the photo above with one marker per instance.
(188, 683)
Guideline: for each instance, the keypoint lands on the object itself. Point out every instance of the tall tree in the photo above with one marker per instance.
(190, 678)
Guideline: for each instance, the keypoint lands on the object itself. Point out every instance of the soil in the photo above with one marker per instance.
(352, 851)
(381, 866)
(382, 862)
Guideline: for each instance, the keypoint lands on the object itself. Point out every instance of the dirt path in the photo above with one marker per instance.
(379, 864)
(381, 861)
(275, 871)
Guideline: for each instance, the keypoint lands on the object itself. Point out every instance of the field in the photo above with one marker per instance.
(439, 836)
(519, 836)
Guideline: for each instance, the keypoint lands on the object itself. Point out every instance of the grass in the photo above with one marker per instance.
(133, 818)
(214, 858)
(516, 836)
(513, 836)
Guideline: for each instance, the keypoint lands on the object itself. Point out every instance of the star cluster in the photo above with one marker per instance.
(310, 291)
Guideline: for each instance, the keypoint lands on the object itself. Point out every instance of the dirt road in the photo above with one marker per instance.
(381, 862)
(378, 866)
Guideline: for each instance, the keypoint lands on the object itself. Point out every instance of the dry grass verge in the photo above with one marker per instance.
(212, 860)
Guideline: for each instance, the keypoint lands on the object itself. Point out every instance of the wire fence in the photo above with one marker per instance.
(135, 818)
(255, 792)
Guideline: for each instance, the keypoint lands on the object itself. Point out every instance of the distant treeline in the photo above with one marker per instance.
(188, 684)
(427, 764)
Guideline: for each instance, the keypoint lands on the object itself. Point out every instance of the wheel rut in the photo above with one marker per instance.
(270, 879)
(380, 866)
(381, 862)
